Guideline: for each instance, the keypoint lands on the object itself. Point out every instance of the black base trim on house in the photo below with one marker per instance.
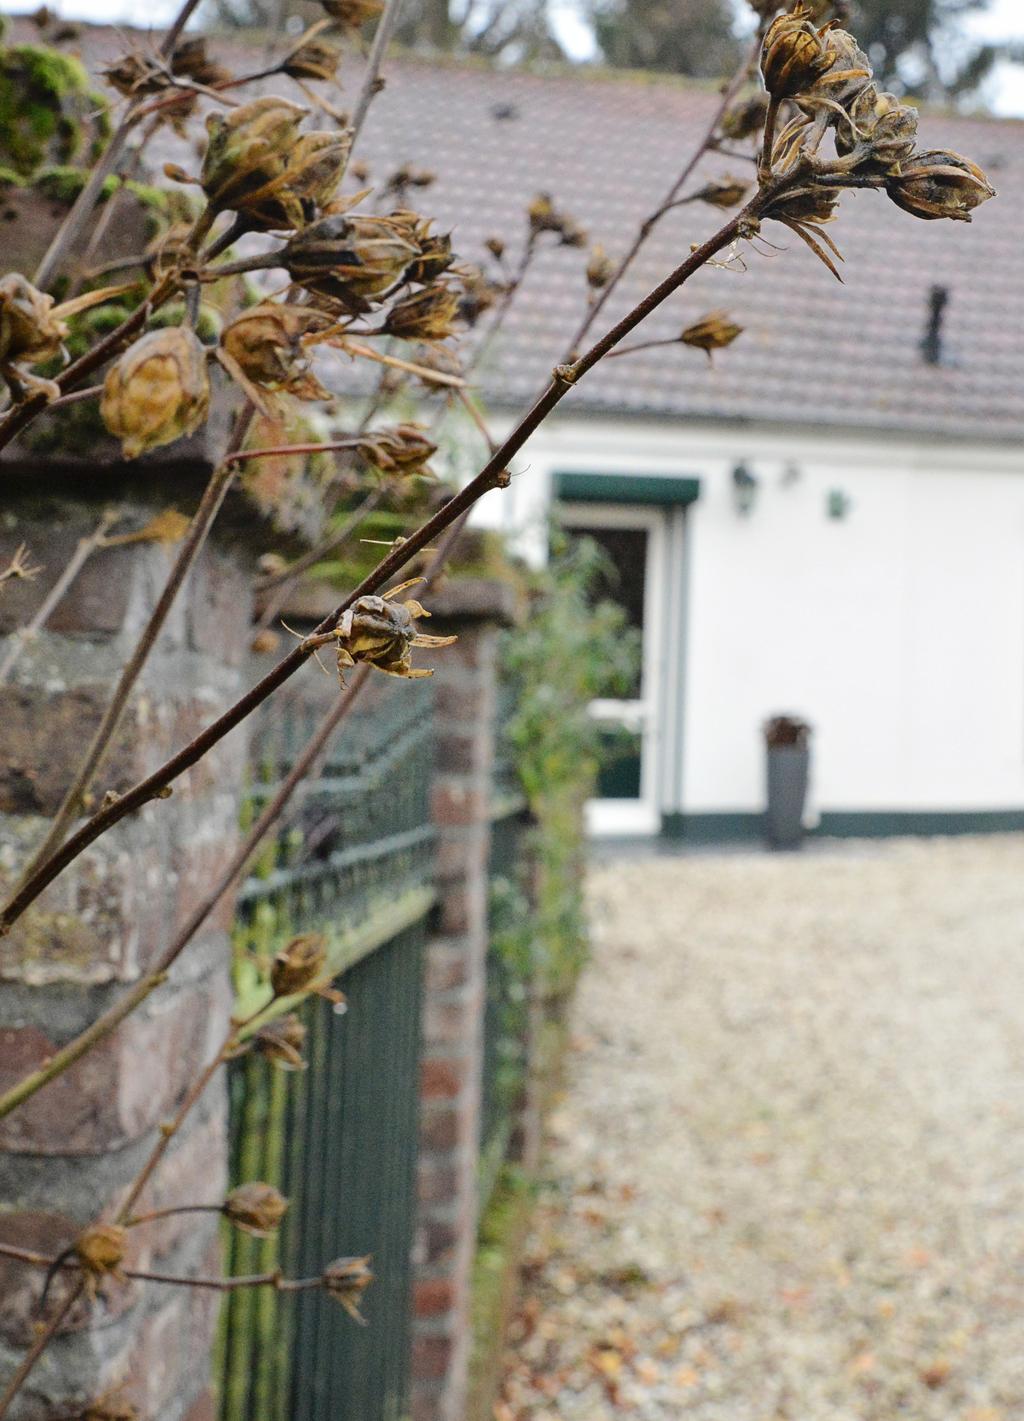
(748, 828)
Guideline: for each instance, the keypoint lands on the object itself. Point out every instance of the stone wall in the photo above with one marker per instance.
(70, 1150)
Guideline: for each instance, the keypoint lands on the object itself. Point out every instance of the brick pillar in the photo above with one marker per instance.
(454, 995)
(69, 1152)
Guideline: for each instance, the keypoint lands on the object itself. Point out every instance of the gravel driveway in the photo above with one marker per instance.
(787, 1176)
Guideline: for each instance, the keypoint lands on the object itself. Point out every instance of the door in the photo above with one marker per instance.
(633, 539)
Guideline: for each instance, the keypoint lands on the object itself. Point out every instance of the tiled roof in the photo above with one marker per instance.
(813, 352)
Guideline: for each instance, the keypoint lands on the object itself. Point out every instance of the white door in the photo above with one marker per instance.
(634, 541)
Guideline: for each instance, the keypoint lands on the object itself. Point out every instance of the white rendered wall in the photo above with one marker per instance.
(898, 631)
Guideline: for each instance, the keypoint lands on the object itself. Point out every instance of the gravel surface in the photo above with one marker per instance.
(786, 1179)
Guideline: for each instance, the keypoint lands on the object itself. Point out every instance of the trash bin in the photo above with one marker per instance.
(787, 741)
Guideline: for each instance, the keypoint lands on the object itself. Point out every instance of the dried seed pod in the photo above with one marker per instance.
(298, 965)
(352, 260)
(30, 329)
(99, 1250)
(794, 54)
(939, 184)
(478, 295)
(382, 633)
(403, 449)
(136, 77)
(713, 332)
(265, 643)
(255, 1208)
(315, 58)
(266, 349)
(723, 192)
(281, 1042)
(346, 1280)
(157, 392)
(435, 259)
(745, 117)
(809, 204)
(879, 129)
(849, 72)
(600, 268)
(424, 315)
(191, 61)
(247, 148)
(496, 247)
(309, 180)
(352, 14)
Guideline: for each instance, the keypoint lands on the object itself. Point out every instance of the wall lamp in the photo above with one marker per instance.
(744, 489)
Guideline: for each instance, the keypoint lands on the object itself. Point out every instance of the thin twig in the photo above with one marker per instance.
(647, 226)
(372, 83)
(38, 1347)
(246, 1280)
(83, 552)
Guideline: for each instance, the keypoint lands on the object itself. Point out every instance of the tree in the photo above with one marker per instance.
(513, 30)
(675, 36)
(919, 46)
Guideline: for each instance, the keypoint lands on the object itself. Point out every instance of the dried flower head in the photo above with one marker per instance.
(310, 178)
(403, 449)
(157, 392)
(424, 315)
(298, 965)
(99, 1250)
(314, 58)
(745, 117)
(879, 129)
(266, 349)
(805, 211)
(794, 54)
(939, 184)
(247, 149)
(346, 1280)
(281, 1042)
(135, 76)
(848, 72)
(723, 192)
(30, 328)
(255, 1208)
(436, 256)
(351, 260)
(191, 61)
(382, 633)
(352, 14)
(544, 216)
(477, 295)
(600, 268)
(713, 332)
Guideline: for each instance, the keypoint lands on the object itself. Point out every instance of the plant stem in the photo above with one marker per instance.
(647, 226)
(493, 475)
(85, 549)
(372, 83)
(155, 1214)
(250, 1280)
(38, 1347)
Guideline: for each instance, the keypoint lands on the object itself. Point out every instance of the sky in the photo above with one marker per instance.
(1004, 20)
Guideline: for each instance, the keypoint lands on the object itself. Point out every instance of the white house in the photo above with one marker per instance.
(829, 520)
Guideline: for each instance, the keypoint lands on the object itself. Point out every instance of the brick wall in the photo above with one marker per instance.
(454, 995)
(70, 1151)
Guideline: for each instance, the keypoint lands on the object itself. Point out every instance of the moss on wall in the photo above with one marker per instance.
(48, 112)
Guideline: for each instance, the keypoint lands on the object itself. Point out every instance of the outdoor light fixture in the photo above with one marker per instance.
(838, 503)
(744, 489)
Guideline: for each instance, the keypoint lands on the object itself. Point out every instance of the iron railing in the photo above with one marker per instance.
(340, 1138)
